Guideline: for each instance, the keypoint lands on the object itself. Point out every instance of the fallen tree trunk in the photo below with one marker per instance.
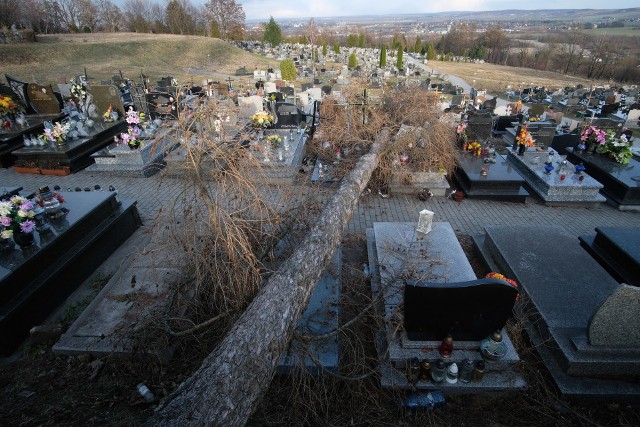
(233, 378)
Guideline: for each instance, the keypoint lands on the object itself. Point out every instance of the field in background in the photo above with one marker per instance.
(188, 58)
(496, 78)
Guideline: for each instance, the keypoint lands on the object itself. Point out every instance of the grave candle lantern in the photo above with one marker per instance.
(446, 347)
(466, 371)
(425, 370)
(438, 372)
(424, 221)
(478, 372)
(452, 374)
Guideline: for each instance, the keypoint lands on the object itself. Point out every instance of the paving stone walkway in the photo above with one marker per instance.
(468, 217)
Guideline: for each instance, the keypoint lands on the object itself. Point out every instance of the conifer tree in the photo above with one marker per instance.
(353, 61)
(272, 33)
(383, 56)
(399, 61)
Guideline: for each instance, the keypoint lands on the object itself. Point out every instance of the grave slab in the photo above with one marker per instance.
(140, 285)
(617, 249)
(562, 288)
(502, 182)
(12, 139)
(144, 161)
(405, 180)
(320, 317)
(621, 182)
(76, 154)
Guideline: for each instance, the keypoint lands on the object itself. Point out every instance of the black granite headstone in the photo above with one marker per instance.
(19, 88)
(468, 311)
(288, 116)
(162, 105)
(287, 91)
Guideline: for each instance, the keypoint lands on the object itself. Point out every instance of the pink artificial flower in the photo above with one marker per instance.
(6, 221)
(28, 226)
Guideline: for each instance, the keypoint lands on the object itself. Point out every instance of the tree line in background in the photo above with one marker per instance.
(567, 52)
(217, 18)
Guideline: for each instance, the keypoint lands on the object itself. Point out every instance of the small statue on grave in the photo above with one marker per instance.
(446, 347)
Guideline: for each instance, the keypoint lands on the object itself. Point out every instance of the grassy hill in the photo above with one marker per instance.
(188, 58)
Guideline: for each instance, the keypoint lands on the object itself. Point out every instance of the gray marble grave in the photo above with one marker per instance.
(397, 252)
(560, 187)
(120, 160)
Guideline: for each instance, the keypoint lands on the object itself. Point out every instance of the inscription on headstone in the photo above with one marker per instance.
(42, 99)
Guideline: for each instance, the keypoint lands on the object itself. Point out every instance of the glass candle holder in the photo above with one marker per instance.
(438, 372)
(452, 374)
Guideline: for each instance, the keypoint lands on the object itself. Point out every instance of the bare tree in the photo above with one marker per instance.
(497, 44)
(228, 14)
(178, 17)
(137, 14)
(571, 52)
(110, 16)
(9, 12)
(87, 15)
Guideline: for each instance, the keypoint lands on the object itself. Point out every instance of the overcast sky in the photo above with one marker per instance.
(262, 9)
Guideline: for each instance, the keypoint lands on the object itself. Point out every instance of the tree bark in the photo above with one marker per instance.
(233, 378)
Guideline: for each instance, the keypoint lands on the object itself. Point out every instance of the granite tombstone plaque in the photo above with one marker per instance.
(107, 96)
(42, 99)
(468, 311)
(19, 88)
(162, 105)
(288, 115)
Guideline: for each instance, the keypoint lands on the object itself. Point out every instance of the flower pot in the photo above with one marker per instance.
(6, 245)
(24, 240)
(521, 149)
(56, 172)
(22, 169)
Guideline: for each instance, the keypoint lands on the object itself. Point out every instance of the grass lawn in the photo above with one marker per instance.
(496, 78)
(54, 58)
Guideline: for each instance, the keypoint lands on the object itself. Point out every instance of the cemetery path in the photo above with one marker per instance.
(468, 217)
(455, 80)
